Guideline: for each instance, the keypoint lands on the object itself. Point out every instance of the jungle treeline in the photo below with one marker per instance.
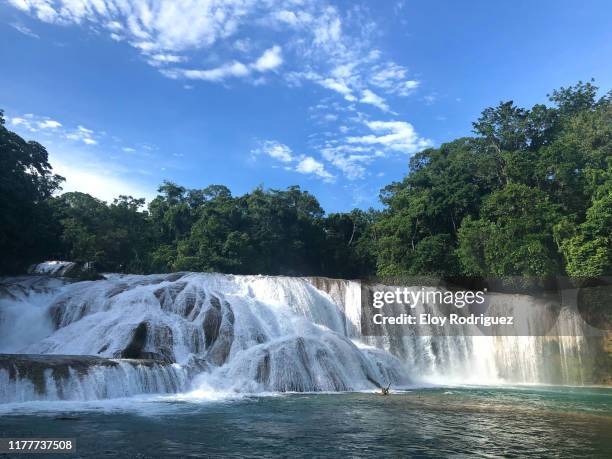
(529, 194)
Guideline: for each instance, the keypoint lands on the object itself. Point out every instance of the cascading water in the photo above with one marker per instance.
(184, 331)
(34, 377)
(554, 346)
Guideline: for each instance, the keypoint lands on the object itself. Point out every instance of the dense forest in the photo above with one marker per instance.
(529, 194)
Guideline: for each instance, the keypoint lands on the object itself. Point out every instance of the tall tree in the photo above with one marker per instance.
(27, 231)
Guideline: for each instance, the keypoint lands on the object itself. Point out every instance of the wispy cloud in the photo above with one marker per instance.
(293, 162)
(368, 97)
(74, 154)
(24, 30)
(353, 154)
(269, 60)
(319, 46)
(33, 123)
(49, 124)
(51, 130)
(393, 79)
(394, 135)
(316, 45)
(276, 150)
(349, 160)
(82, 134)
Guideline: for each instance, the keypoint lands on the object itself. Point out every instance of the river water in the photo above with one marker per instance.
(527, 421)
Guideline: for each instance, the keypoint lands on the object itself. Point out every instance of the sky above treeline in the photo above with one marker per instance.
(332, 96)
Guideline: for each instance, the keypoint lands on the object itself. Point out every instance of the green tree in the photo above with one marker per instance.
(513, 235)
(27, 231)
(587, 247)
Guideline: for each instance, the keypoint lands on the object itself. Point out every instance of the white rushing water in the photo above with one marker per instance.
(247, 334)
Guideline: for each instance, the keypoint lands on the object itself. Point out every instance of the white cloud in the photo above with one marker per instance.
(368, 97)
(276, 150)
(51, 128)
(323, 44)
(82, 134)
(24, 30)
(234, 69)
(299, 163)
(243, 45)
(430, 98)
(168, 25)
(269, 60)
(338, 86)
(16, 121)
(309, 165)
(351, 164)
(394, 135)
(328, 28)
(165, 59)
(84, 168)
(34, 123)
(393, 79)
(286, 16)
(49, 124)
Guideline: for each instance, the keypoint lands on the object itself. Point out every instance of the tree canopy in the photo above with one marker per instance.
(529, 194)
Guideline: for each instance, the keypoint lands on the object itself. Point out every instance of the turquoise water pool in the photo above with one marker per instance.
(434, 422)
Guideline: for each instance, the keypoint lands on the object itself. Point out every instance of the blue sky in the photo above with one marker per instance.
(333, 96)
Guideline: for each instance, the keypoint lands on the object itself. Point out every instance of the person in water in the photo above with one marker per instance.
(385, 391)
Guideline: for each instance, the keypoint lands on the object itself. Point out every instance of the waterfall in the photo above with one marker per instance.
(52, 268)
(553, 345)
(34, 377)
(177, 332)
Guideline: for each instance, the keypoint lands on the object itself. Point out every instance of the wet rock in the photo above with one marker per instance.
(34, 367)
(167, 295)
(173, 277)
(136, 346)
(55, 377)
(211, 325)
(191, 301)
(118, 289)
(325, 361)
(221, 347)
(263, 370)
(215, 303)
(160, 336)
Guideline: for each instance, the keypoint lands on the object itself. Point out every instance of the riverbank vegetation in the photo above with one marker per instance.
(529, 194)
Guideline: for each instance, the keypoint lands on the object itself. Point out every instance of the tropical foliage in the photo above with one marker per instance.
(529, 194)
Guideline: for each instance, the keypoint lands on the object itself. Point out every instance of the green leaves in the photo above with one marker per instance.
(26, 184)
(531, 194)
(587, 247)
(490, 205)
